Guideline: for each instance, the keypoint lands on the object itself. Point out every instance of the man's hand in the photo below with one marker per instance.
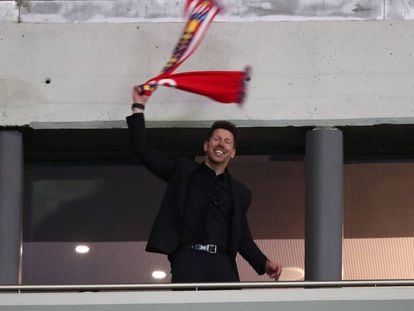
(273, 269)
(138, 95)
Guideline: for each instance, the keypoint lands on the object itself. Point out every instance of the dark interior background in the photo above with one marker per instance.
(86, 185)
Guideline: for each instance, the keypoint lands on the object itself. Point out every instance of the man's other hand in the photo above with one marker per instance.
(273, 269)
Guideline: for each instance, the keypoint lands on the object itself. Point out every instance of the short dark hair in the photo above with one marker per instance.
(226, 125)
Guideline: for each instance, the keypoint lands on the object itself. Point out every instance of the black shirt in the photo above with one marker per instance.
(208, 208)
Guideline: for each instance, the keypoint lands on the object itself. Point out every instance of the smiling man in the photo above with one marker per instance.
(202, 223)
(220, 146)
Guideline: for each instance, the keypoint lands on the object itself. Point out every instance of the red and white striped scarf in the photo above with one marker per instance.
(221, 86)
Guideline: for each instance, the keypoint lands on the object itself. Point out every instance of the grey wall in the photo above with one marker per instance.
(304, 73)
(378, 299)
(161, 10)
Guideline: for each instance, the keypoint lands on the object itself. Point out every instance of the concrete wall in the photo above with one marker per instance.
(339, 299)
(304, 73)
(62, 11)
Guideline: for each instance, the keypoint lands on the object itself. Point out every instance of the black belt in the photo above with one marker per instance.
(209, 248)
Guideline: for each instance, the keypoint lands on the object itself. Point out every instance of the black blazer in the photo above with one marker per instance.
(165, 234)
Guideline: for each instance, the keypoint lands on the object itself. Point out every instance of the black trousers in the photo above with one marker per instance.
(192, 266)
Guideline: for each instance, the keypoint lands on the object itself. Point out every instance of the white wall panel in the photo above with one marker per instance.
(9, 12)
(399, 9)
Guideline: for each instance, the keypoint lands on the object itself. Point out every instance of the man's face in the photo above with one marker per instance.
(220, 148)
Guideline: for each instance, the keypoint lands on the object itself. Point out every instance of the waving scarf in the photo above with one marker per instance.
(222, 86)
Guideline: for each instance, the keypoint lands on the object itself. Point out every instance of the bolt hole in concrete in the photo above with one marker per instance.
(48, 80)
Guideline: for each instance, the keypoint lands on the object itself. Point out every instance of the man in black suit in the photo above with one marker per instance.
(201, 224)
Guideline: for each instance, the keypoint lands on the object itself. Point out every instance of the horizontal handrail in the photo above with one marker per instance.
(197, 286)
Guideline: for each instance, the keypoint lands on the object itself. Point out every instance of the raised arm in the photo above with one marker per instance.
(157, 162)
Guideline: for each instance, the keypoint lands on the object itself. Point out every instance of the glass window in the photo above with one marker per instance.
(110, 209)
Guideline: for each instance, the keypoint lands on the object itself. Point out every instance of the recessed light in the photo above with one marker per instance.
(82, 249)
(159, 275)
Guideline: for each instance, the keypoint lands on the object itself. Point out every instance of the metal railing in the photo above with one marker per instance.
(201, 286)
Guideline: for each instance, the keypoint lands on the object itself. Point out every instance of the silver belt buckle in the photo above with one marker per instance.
(211, 248)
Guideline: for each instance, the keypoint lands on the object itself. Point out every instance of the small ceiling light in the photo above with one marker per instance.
(82, 249)
(159, 275)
